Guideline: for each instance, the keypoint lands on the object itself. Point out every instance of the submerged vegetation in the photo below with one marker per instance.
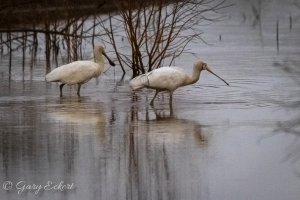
(53, 26)
(143, 34)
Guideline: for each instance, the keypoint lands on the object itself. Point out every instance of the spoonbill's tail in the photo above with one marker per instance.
(139, 82)
(53, 76)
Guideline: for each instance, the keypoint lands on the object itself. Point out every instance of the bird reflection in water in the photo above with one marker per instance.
(85, 117)
(163, 155)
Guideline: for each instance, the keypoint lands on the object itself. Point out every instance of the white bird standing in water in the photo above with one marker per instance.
(169, 79)
(79, 72)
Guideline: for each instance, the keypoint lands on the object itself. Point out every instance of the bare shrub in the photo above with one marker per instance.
(145, 34)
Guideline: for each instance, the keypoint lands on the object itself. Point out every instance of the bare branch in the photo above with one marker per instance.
(158, 30)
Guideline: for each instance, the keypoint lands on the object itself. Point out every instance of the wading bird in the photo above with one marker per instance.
(79, 72)
(169, 79)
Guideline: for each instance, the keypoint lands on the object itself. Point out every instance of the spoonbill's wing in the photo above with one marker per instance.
(164, 78)
(75, 72)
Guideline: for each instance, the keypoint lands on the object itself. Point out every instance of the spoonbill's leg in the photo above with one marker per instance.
(171, 110)
(61, 87)
(78, 90)
(171, 98)
(156, 92)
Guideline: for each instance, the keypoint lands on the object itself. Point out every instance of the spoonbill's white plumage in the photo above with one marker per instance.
(79, 72)
(169, 79)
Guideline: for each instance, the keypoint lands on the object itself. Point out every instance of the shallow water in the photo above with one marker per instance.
(217, 142)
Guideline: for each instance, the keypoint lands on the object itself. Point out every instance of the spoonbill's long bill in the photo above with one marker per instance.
(79, 72)
(169, 79)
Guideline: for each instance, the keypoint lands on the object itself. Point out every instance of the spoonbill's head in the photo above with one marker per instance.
(200, 65)
(98, 50)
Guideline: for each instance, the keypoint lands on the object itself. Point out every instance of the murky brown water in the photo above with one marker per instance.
(219, 142)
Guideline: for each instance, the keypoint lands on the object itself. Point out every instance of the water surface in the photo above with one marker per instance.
(217, 142)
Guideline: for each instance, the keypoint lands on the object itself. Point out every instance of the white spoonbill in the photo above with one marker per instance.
(79, 72)
(169, 79)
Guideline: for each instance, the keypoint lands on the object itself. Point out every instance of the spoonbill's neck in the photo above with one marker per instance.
(100, 61)
(99, 58)
(194, 77)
